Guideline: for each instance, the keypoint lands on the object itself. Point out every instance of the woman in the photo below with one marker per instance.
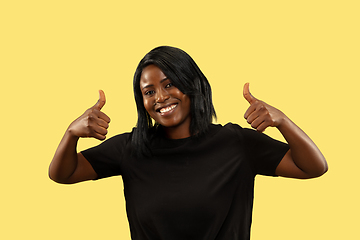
(184, 177)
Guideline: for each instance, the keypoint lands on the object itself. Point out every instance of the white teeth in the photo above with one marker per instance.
(167, 109)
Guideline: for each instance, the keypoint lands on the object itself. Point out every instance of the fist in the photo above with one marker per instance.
(93, 122)
(261, 115)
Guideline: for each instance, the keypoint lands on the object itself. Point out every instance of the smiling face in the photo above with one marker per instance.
(165, 103)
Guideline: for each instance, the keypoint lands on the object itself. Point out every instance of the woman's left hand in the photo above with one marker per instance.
(304, 159)
(260, 114)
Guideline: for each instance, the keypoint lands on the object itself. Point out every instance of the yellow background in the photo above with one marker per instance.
(300, 56)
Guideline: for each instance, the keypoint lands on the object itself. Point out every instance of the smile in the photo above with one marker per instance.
(167, 109)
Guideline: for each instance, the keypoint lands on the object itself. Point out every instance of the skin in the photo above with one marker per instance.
(67, 165)
(159, 93)
(303, 160)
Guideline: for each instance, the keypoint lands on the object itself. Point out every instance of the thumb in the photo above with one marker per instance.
(247, 95)
(101, 102)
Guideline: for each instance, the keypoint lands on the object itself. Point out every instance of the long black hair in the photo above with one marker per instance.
(183, 72)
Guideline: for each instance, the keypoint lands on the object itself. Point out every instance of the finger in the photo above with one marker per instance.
(99, 136)
(261, 128)
(102, 123)
(101, 102)
(254, 107)
(100, 115)
(97, 132)
(96, 120)
(247, 95)
(100, 130)
(103, 116)
(251, 118)
(250, 111)
(257, 122)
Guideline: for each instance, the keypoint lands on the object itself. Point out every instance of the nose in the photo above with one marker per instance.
(161, 96)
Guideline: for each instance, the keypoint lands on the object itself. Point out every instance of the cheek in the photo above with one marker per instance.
(188, 102)
(147, 105)
(186, 105)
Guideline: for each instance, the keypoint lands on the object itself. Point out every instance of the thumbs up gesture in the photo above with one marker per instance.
(260, 114)
(93, 122)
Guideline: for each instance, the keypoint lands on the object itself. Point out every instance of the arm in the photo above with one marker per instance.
(68, 166)
(304, 159)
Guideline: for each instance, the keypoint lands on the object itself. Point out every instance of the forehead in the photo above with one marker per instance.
(151, 74)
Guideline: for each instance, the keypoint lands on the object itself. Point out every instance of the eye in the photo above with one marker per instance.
(169, 85)
(149, 92)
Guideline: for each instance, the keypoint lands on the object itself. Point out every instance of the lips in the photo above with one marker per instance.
(166, 109)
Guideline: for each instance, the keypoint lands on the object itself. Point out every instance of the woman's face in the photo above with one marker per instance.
(165, 103)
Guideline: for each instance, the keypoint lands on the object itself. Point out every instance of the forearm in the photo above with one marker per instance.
(65, 160)
(304, 152)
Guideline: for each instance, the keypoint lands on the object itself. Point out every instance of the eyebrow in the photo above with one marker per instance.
(151, 85)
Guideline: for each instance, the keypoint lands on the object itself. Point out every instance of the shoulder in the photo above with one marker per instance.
(236, 132)
(244, 132)
(229, 128)
(227, 132)
(114, 146)
(121, 136)
(119, 140)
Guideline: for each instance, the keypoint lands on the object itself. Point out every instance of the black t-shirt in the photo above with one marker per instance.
(192, 188)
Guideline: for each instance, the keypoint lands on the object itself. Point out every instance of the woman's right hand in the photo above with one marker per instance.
(93, 122)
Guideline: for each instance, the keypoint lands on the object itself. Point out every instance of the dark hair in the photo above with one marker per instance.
(183, 72)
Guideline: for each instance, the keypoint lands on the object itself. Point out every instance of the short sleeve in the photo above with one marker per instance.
(263, 152)
(106, 158)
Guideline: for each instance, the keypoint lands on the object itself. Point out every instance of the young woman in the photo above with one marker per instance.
(184, 177)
